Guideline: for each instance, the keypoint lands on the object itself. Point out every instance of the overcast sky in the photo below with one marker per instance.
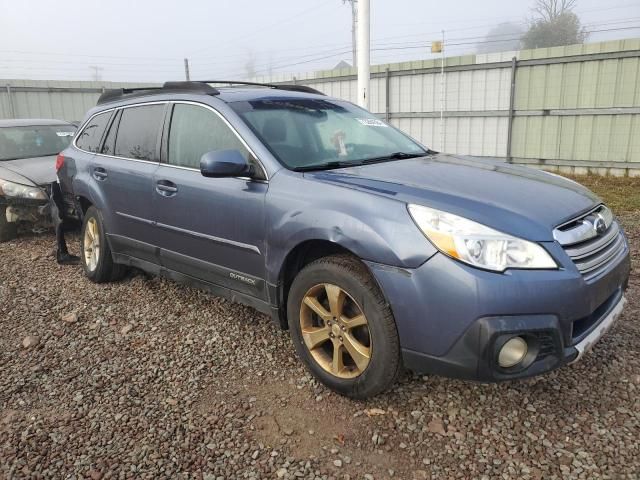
(146, 40)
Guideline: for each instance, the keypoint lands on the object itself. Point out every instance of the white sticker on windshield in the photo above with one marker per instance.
(64, 134)
(372, 122)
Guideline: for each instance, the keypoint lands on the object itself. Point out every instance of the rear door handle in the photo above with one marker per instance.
(100, 174)
(166, 188)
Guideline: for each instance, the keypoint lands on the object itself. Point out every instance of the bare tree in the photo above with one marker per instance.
(551, 9)
(556, 24)
(501, 38)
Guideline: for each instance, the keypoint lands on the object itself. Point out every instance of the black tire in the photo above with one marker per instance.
(104, 270)
(353, 278)
(8, 230)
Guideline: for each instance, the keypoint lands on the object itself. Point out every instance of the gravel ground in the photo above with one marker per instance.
(148, 379)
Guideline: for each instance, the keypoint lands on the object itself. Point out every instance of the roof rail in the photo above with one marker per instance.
(197, 86)
(278, 86)
(113, 95)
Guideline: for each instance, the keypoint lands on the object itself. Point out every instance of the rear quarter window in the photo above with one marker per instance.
(110, 139)
(91, 135)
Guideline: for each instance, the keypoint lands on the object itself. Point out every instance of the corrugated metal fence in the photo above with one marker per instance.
(52, 99)
(574, 108)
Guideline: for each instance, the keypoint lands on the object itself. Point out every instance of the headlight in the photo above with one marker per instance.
(476, 244)
(15, 190)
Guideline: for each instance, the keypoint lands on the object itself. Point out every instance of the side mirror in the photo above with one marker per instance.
(225, 163)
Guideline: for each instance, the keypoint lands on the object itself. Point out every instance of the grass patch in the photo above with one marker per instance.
(621, 194)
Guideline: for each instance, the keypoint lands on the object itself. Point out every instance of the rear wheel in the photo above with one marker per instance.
(8, 230)
(342, 327)
(97, 261)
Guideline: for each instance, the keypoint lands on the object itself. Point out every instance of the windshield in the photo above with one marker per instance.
(34, 141)
(309, 133)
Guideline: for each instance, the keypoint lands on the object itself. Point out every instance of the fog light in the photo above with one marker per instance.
(512, 352)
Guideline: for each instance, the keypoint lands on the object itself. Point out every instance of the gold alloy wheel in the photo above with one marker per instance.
(91, 244)
(335, 330)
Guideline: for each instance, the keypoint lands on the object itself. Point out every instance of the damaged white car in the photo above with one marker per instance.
(28, 150)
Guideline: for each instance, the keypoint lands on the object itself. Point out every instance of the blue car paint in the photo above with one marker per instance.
(363, 209)
(435, 303)
(513, 199)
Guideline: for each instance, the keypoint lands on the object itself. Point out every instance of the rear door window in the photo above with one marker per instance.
(197, 130)
(138, 131)
(91, 135)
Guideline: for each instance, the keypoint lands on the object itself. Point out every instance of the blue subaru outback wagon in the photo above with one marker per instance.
(374, 251)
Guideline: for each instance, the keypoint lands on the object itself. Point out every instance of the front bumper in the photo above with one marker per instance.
(585, 345)
(453, 318)
(474, 357)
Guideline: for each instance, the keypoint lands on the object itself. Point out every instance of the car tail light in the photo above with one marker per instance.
(59, 162)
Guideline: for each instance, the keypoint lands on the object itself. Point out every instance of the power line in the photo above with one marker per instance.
(435, 33)
(28, 52)
(424, 45)
(341, 46)
(283, 62)
(481, 37)
(336, 51)
(454, 42)
(324, 3)
(509, 19)
(323, 55)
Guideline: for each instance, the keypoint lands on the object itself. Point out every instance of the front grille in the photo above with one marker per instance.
(594, 255)
(591, 251)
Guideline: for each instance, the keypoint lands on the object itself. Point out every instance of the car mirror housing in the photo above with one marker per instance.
(225, 163)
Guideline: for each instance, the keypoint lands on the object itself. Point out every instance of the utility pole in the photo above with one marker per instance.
(354, 28)
(363, 53)
(442, 96)
(186, 69)
(96, 72)
(437, 46)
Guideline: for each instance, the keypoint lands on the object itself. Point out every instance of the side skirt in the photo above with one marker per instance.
(217, 290)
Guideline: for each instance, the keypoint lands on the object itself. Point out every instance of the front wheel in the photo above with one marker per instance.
(342, 327)
(97, 261)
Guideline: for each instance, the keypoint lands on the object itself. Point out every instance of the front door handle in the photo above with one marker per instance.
(100, 174)
(166, 188)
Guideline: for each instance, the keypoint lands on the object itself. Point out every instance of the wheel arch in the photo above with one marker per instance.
(87, 195)
(300, 256)
(84, 204)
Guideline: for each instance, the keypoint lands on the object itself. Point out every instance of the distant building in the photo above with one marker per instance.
(342, 64)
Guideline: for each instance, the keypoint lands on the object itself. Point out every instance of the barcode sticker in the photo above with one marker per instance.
(371, 122)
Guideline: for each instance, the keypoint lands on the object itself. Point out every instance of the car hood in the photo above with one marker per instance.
(514, 199)
(29, 171)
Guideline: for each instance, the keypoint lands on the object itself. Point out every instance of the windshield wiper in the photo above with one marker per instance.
(391, 156)
(355, 163)
(325, 166)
